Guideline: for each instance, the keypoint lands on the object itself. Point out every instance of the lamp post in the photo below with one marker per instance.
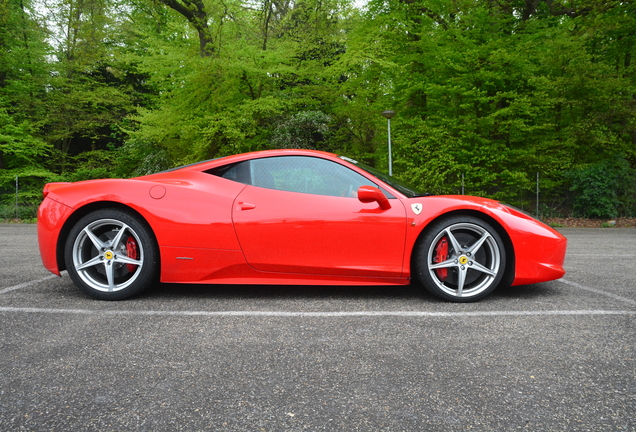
(388, 114)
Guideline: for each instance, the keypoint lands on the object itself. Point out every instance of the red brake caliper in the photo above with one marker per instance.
(441, 254)
(133, 252)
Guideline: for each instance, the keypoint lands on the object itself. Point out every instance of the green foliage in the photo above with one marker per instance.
(303, 130)
(18, 144)
(86, 112)
(91, 165)
(605, 189)
(23, 214)
(498, 98)
(29, 187)
(264, 87)
(488, 92)
(138, 157)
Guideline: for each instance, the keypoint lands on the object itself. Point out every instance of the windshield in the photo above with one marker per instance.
(407, 190)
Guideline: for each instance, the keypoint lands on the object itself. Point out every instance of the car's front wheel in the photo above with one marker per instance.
(460, 258)
(111, 254)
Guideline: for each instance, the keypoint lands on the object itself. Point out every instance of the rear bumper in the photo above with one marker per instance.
(51, 218)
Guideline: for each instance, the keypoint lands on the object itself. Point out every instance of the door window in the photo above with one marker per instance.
(298, 174)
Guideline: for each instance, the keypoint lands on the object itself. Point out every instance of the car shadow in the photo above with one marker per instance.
(317, 292)
(526, 292)
(286, 292)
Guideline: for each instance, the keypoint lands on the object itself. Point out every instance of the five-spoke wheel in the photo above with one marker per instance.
(111, 255)
(460, 258)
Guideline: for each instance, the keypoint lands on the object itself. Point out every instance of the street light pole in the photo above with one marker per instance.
(388, 114)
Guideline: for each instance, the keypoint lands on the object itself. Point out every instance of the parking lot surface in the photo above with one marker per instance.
(555, 356)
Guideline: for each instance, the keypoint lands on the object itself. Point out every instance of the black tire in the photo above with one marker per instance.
(111, 254)
(468, 267)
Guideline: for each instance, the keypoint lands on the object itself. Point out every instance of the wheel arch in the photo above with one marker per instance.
(83, 211)
(509, 274)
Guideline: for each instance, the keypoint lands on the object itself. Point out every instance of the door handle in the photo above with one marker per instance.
(246, 206)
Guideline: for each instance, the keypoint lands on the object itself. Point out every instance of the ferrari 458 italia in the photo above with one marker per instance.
(287, 217)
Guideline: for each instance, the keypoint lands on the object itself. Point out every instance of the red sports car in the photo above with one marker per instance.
(287, 217)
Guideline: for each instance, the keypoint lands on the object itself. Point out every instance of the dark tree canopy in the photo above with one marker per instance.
(489, 93)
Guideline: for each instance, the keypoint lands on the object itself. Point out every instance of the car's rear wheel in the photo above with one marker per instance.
(460, 258)
(111, 254)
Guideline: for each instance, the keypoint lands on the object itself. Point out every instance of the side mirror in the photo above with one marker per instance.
(369, 194)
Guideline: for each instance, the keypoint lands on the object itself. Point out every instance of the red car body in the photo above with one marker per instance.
(210, 229)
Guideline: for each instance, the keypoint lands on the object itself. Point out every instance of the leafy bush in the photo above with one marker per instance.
(308, 130)
(604, 190)
(25, 213)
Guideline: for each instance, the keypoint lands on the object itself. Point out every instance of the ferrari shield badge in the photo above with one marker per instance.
(417, 208)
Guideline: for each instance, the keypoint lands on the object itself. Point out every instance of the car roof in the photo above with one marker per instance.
(227, 160)
(212, 163)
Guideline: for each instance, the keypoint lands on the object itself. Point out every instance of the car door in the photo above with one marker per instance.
(301, 215)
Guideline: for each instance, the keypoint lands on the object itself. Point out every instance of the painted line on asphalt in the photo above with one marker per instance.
(26, 284)
(604, 255)
(598, 291)
(283, 314)
(325, 314)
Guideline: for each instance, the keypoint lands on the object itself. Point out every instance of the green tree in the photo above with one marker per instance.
(92, 87)
(495, 90)
(490, 92)
(269, 65)
(23, 76)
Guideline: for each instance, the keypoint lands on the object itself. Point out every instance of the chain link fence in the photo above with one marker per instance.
(21, 203)
(592, 196)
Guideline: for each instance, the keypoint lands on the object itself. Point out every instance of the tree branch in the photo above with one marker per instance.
(194, 11)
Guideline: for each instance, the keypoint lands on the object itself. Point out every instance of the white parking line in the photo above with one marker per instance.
(325, 314)
(26, 284)
(283, 314)
(598, 291)
(604, 255)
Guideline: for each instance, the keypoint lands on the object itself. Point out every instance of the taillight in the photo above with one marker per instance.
(49, 187)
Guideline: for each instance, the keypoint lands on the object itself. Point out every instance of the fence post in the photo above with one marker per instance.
(16, 197)
(537, 195)
(462, 183)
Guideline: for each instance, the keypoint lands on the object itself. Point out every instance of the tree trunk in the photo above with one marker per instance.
(194, 11)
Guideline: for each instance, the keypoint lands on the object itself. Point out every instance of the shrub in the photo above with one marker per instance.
(604, 190)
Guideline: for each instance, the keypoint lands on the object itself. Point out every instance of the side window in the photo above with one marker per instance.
(239, 172)
(306, 175)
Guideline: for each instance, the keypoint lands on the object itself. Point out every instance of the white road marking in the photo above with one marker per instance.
(421, 314)
(283, 314)
(26, 284)
(604, 255)
(598, 291)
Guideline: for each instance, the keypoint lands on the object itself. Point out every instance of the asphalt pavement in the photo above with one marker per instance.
(555, 356)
